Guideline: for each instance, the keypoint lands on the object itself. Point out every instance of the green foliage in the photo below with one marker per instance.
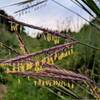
(85, 60)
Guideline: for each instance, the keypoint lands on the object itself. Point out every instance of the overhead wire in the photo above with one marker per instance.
(31, 6)
(91, 23)
(88, 45)
(84, 8)
(81, 6)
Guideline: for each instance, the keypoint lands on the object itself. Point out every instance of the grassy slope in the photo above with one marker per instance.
(26, 89)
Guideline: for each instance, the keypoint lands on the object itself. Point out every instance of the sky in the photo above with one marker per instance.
(49, 15)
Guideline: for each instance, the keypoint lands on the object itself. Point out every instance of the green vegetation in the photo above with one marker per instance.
(85, 61)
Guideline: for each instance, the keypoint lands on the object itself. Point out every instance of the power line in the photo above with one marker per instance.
(84, 8)
(77, 14)
(82, 18)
